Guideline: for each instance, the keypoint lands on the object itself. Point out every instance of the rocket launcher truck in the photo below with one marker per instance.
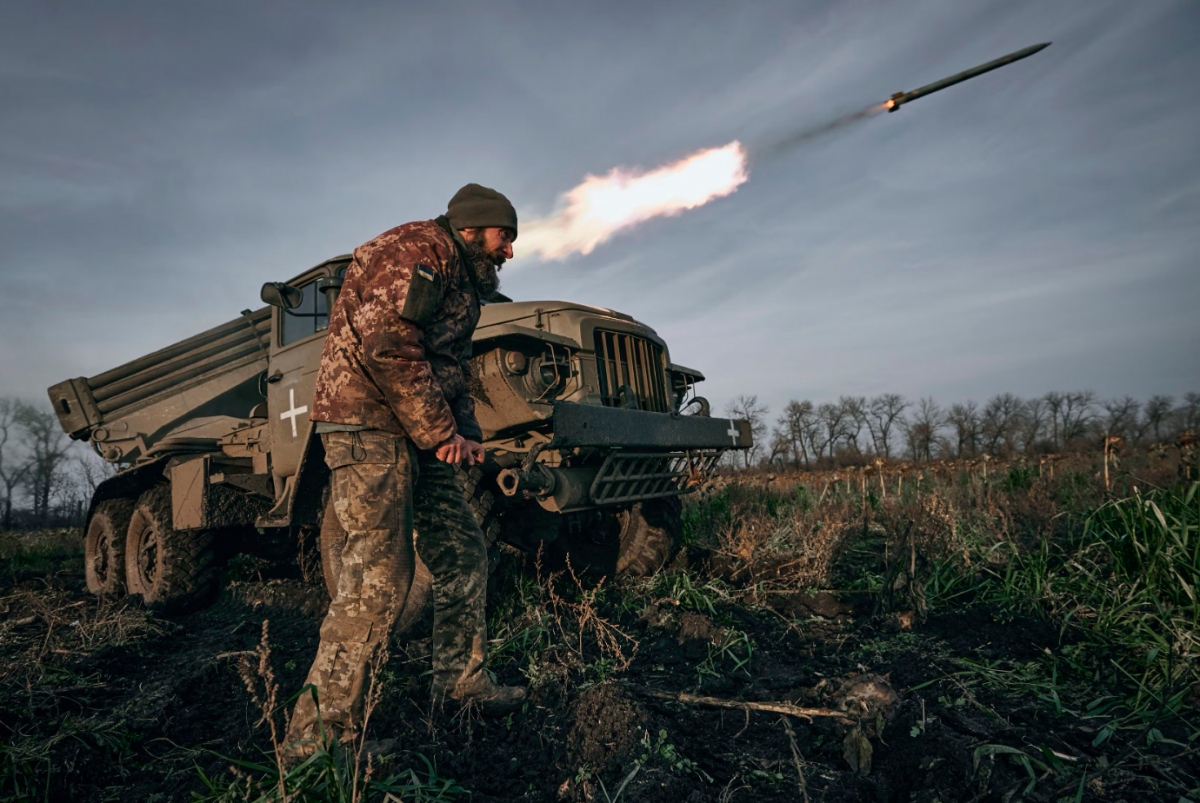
(591, 433)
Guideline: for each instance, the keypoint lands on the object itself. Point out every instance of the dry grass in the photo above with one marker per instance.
(339, 771)
(579, 622)
(758, 536)
(73, 628)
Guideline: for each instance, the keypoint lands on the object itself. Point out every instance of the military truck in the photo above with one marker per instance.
(591, 435)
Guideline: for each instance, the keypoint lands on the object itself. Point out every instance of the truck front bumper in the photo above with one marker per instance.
(650, 455)
(617, 428)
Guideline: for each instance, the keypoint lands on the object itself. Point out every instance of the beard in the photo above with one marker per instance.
(484, 266)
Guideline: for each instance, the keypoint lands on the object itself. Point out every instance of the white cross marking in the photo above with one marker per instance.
(732, 433)
(294, 411)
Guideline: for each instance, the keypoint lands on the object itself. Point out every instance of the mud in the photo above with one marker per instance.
(605, 723)
(102, 700)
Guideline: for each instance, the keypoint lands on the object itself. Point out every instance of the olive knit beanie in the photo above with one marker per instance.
(477, 207)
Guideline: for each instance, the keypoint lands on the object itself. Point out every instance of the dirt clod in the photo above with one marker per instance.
(698, 627)
(606, 723)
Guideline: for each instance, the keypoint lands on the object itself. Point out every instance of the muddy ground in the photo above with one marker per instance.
(107, 702)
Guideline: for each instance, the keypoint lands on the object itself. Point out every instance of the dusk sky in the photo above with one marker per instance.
(1034, 229)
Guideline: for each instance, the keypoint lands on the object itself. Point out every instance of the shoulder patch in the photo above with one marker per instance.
(424, 295)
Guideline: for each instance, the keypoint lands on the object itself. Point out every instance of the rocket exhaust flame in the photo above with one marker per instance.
(601, 206)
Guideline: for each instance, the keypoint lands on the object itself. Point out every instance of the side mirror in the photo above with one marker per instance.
(281, 295)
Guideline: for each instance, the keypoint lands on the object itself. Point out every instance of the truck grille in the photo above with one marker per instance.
(635, 365)
(633, 476)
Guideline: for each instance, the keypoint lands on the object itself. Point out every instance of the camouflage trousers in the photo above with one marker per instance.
(382, 488)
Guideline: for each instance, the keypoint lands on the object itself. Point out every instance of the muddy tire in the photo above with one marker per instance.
(635, 542)
(104, 547)
(333, 540)
(482, 501)
(649, 536)
(173, 571)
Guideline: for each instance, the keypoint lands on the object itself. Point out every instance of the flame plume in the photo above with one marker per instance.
(601, 206)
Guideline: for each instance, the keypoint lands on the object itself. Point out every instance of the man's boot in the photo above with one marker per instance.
(298, 748)
(492, 699)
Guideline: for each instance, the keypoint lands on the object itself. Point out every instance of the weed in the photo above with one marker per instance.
(40, 551)
(665, 751)
(327, 775)
(1126, 582)
(685, 591)
(733, 655)
(334, 770)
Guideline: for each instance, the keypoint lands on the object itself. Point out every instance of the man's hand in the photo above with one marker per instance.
(457, 449)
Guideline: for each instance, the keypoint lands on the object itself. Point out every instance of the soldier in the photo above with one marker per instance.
(395, 416)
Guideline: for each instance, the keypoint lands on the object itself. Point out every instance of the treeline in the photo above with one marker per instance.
(890, 426)
(45, 478)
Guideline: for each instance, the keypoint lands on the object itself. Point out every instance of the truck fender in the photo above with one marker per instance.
(303, 505)
(127, 484)
(311, 480)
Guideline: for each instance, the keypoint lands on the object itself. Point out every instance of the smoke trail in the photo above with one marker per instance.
(806, 135)
(601, 206)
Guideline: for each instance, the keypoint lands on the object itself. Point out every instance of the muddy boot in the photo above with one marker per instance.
(376, 749)
(491, 698)
(297, 751)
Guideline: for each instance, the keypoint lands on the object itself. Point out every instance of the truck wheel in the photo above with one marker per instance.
(172, 570)
(104, 547)
(333, 540)
(649, 536)
(482, 502)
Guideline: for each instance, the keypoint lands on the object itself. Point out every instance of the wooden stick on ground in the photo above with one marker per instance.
(777, 708)
(800, 781)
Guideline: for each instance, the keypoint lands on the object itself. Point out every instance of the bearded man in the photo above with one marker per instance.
(395, 416)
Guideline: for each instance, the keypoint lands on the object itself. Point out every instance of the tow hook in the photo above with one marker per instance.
(537, 479)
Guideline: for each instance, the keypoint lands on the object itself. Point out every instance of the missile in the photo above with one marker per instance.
(900, 98)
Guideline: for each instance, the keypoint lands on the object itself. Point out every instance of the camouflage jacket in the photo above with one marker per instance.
(406, 375)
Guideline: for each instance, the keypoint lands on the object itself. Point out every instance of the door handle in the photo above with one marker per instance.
(275, 377)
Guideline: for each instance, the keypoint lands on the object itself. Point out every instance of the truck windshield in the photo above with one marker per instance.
(307, 319)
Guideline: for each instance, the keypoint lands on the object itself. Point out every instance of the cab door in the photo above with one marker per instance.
(297, 341)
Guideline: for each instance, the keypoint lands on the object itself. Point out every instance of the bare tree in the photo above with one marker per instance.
(1076, 413)
(748, 408)
(921, 429)
(832, 417)
(813, 430)
(797, 422)
(781, 446)
(1033, 421)
(1121, 418)
(1155, 415)
(854, 418)
(1000, 422)
(47, 445)
(885, 410)
(1189, 412)
(91, 470)
(1054, 404)
(12, 468)
(964, 418)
